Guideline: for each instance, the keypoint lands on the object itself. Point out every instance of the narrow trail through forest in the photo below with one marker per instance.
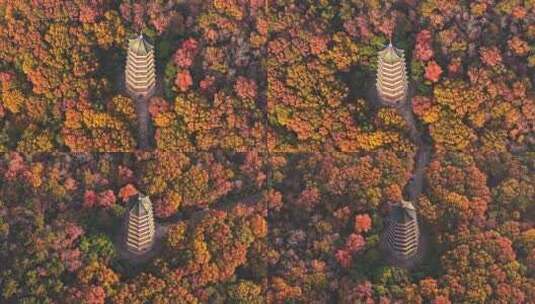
(145, 128)
(143, 122)
(423, 153)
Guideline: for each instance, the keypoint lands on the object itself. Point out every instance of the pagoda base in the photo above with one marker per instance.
(141, 94)
(124, 253)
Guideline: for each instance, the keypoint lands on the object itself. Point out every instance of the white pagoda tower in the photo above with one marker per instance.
(140, 72)
(392, 85)
(402, 236)
(140, 226)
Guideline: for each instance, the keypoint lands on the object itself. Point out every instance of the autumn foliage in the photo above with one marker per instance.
(271, 164)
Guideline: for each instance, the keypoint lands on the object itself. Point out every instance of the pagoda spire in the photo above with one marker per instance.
(140, 226)
(402, 235)
(140, 72)
(392, 84)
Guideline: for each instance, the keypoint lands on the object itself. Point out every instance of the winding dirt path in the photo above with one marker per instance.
(423, 154)
(143, 123)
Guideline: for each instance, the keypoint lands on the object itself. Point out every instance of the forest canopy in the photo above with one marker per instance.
(270, 160)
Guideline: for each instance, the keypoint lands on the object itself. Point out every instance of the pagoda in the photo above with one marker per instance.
(140, 226)
(402, 236)
(392, 86)
(140, 72)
